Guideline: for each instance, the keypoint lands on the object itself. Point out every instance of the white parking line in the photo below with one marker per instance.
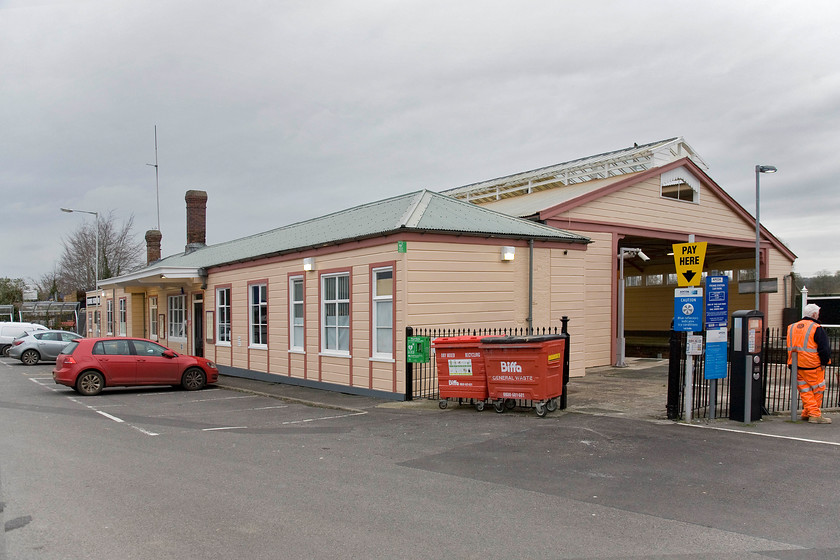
(323, 418)
(116, 419)
(47, 382)
(109, 416)
(806, 440)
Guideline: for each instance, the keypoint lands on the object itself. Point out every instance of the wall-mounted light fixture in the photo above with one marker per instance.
(309, 263)
(508, 253)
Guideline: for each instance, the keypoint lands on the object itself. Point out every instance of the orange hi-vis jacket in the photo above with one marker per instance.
(801, 338)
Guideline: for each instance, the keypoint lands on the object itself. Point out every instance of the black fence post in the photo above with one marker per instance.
(409, 368)
(564, 332)
(672, 406)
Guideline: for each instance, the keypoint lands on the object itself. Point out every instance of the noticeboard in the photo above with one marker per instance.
(717, 301)
(688, 309)
(418, 349)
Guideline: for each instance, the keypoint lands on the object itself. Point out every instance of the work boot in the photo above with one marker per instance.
(819, 420)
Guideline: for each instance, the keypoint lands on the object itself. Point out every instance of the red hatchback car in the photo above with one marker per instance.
(91, 364)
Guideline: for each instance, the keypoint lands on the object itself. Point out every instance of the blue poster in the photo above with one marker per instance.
(717, 302)
(716, 350)
(688, 309)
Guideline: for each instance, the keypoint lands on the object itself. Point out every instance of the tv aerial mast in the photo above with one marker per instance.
(157, 183)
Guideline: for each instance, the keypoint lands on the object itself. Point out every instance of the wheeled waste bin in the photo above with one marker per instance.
(524, 368)
(460, 369)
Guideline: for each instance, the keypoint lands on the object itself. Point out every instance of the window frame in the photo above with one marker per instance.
(376, 299)
(176, 315)
(337, 301)
(153, 321)
(262, 308)
(123, 317)
(223, 316)
(109, 317)
(296, 345)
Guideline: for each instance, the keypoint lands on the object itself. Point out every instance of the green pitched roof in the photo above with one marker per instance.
(421, 211)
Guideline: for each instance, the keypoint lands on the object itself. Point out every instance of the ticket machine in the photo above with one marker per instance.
(745, 383)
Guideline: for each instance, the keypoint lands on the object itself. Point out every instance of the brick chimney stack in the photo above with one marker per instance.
(153, 238)
(196, 220)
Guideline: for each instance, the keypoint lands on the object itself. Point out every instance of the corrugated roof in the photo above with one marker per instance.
(592, 168)
(536, 202)
(421, 211)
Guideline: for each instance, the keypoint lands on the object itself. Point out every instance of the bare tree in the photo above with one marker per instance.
(50, 286)
(119, 253)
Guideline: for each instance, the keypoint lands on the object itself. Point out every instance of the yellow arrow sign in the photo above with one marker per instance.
(688, 257)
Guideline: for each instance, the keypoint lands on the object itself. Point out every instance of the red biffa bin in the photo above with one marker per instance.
(524, 367)
(460, 369)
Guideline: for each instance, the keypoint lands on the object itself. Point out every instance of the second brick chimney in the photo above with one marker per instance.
(196, 220)
(153, 238)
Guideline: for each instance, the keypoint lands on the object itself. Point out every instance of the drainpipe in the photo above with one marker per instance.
(530, 286)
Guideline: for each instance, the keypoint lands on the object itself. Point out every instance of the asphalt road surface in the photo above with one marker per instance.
(161, 473)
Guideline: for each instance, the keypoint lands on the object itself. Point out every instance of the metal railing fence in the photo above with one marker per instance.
(775, 379)
(422, 379)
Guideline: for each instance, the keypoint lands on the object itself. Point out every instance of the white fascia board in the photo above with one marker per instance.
(155, 275)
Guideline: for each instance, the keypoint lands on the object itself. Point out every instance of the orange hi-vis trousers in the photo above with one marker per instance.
(811, 384)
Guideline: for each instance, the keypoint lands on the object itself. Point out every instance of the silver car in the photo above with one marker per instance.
(35, 346)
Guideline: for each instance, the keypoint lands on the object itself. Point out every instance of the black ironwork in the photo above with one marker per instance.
(421, 379)
(775, 378)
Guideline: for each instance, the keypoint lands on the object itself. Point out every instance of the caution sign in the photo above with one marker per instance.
(688, 257)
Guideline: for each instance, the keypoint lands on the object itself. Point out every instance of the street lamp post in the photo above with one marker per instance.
(759, 169)
(96, 217)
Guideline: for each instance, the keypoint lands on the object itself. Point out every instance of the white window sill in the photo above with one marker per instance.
(224, 344)
(297, 351)
(383, 360)
(329, 354)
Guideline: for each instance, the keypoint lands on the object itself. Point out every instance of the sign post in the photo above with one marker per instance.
(688, 318)
(717, 316)
(688, 305)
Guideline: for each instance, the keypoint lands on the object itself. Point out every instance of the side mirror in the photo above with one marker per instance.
(169, 354)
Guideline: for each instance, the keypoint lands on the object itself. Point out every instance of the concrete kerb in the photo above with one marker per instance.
(315, 404)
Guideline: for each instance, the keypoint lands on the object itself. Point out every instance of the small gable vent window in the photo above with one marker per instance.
(679, 184)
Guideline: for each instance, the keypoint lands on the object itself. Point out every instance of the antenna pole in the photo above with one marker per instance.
(157, 182)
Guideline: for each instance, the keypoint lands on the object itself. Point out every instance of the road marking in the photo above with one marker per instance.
(142, 431)
(806, 440)
(322, 418)
(91, 407)
(109, 416)
(224, 428)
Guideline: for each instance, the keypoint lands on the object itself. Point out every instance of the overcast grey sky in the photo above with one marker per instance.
(287, 110)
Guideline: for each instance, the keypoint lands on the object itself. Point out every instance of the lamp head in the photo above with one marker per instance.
(765, 169)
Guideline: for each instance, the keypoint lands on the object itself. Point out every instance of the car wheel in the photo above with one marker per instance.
(90, 383)
(5, 350)
(30, 357)
(193, 379)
